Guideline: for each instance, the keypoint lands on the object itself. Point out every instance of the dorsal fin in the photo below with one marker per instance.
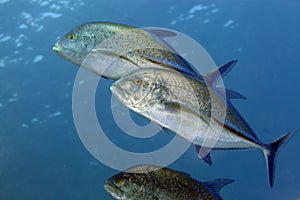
(230, 94)
(214, 76)
(216, 185)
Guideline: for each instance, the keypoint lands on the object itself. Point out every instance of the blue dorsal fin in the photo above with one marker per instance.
(230, 94)
(207, 157)
(216, 185)
(161, 33)
(214, 76)
(226, 68)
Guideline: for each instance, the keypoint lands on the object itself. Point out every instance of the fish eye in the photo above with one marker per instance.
(138, 81)
(131, 179)
(72, 36)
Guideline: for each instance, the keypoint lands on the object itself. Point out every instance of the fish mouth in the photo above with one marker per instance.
(113, 189)
(57, 48)
(119, 92)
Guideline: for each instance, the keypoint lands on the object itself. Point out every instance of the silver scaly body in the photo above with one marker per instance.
(191, 109)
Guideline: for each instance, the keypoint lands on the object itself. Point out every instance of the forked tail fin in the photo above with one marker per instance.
(271, 154)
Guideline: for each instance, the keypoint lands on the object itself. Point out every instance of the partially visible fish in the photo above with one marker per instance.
(113, 50)
(147, 182)
(189, 108)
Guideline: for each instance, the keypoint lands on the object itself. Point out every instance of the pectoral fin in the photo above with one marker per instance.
(112, 53)
(105, 51)
(176, 108)
(186, 69)
(172, 107)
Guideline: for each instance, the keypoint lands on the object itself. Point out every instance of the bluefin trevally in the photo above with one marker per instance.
(150, 182)
(188, 107)
(113, 50)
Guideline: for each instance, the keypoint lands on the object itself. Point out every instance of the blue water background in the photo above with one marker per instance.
(41, 155)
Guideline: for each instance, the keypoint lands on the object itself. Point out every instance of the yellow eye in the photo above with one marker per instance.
(137, 81)
(72, 37)
(131, 179)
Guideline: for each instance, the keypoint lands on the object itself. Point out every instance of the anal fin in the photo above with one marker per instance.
(204, 153)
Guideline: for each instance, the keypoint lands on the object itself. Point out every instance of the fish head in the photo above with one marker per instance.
(114, 188)
(124, 186)
(75, 45)
(138, 91)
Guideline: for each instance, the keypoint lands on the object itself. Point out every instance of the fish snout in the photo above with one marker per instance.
(113, 189)
(119, 92)
(57, 47)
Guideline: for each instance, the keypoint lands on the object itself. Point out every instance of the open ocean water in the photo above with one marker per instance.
(41, 155)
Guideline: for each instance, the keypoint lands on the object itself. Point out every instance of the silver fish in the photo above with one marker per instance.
(149, 182)
(191, 109)
(113, 50)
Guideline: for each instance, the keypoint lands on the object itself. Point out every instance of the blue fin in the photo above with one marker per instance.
(216, 185)
(271, 154)
(230, 94)
(214, 76)
(207, 157)
(211, 78)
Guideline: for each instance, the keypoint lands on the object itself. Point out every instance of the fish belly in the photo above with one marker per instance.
(195, 130)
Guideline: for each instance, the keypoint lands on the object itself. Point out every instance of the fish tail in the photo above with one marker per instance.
(271, 152)
(216, 185)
